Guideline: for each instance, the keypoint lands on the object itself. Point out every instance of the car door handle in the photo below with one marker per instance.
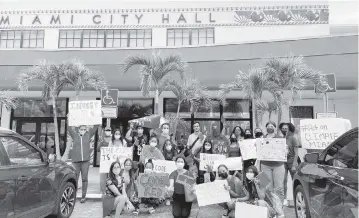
(23, 178)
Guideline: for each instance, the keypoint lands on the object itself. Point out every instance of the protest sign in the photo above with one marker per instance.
(251, 211)
(232, 163)
(186, 179)
(272, 149)
(248, 149)
(207, 177)
(208, 159)
(319, 133)
(110, 155)
(212, 193)
(84, 113)
(152, 185)
(164, 166)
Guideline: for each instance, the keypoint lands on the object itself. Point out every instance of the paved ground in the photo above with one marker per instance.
(93, 209)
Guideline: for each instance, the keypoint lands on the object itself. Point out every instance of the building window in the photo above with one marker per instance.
(21, 39)
(200, 36)
(236, 112)
(105, 38)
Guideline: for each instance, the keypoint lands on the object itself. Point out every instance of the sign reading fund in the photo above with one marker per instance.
(319, 133)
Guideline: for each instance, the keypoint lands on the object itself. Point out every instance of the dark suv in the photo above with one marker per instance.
(33, 184)
(326, 184)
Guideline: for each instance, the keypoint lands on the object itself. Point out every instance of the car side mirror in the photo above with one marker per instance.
(51, 158)
(311, 157)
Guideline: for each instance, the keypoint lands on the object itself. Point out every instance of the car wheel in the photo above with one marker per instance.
(301, 203)
(66, 202)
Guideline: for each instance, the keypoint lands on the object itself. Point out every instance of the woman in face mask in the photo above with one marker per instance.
(165, 135)
(180, 208)
(117, 139)
(248, 134)
(274, 170)
(169, 150)
(258, 133)
(237, 191)
(151, 151)
(116, 196)
(150, 203)
(104, 142)
(207, 148)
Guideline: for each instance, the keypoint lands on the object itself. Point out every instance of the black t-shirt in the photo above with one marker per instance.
(137, 149)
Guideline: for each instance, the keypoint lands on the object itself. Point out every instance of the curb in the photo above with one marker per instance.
(95, 197)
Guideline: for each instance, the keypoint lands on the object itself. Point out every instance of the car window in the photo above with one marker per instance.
(19, 152)
(344, 153)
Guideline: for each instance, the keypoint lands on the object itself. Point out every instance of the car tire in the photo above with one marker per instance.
(301, 203)
(66, 200)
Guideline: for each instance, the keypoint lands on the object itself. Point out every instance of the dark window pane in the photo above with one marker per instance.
(207, 125)
(171, 106)
(37, 108)
(208, 112)
(236, 108)
(135, 108)
(231, 124)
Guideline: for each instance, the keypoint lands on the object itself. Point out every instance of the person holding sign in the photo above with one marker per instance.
(81, 153)
(169, 150)
(207, 148)
(237, 191)
(117, 139)
(258, 133)
(248, 134)
(274, 170)
(138, 141)
(182, 206)
(115, 198)
(165, 135)
(104, 142)
(151, 151)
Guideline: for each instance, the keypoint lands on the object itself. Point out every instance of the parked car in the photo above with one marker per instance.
(326, 184)
(32, 183)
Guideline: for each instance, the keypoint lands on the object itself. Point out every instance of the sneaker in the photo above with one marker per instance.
(168, 202)
(83, 200)
(285, 203)
(151, 210)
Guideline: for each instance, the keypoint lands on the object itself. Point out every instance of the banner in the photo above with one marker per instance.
(110, 155)
(85, 113)
(208, 159)
(232, 163)
(164, 166)
(248, 149)
(320, 133)
(212, 193)
(272, 149)
(251, 211)
(152, 185)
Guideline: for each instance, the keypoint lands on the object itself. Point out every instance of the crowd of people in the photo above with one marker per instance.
(119, 184)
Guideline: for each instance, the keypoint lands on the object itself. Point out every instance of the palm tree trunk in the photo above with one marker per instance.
(156, 101)
(269, 115)
(254, 109)
(279, 116)
(57, 138)
(177, 117)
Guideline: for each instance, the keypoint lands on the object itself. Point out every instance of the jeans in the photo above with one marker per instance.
(275, 175)
(181, 208)
(287, 167)
(83, 168)
(103, 177)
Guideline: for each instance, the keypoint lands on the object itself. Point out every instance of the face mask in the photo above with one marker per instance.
(117, 137)
(128, 168)
(250, 176)
(258, 134)
(116, 171)
(207, 147)
(108, 133)
(165, 131)
(284, 133)
(181, 147)
(153, 144)
(180, 165)
(270, 130)
(223, 175)
(140, 131)
(82, 132)
(148, 170)
(233, 140)
(169, 147)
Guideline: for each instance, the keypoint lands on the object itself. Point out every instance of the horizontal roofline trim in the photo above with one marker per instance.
(214, 9)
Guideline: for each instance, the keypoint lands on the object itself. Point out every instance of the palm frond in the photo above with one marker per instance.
(225, 89)
(8, 100)
(135, 60)
(171, 63)
(146, 81)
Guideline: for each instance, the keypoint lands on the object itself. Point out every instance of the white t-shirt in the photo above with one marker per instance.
(198, 144)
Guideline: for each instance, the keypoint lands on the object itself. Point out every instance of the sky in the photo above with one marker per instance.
(342, 12)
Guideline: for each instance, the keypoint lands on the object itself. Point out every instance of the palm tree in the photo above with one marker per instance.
(291, 73)
(7, 100)
(253, 83)
(154, 69)
(266, 106)
(190, 90)
(55, 78)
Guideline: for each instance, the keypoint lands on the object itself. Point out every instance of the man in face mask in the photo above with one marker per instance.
(220, 142)
(165, 135)
(81, 153)
(104, 141)
(138, 140)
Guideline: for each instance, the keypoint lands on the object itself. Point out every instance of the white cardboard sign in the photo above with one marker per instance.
(212, 193)
(244, 210)
(232, 163)
(320, 133)
(164, 166)
(248, 149)
(208, 159)
(272, 149)
(110, 155)
(85, 113)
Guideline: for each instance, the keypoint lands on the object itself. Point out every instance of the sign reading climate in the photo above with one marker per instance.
(239, 16)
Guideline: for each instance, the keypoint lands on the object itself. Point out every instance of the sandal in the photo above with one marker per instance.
(151, 210)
